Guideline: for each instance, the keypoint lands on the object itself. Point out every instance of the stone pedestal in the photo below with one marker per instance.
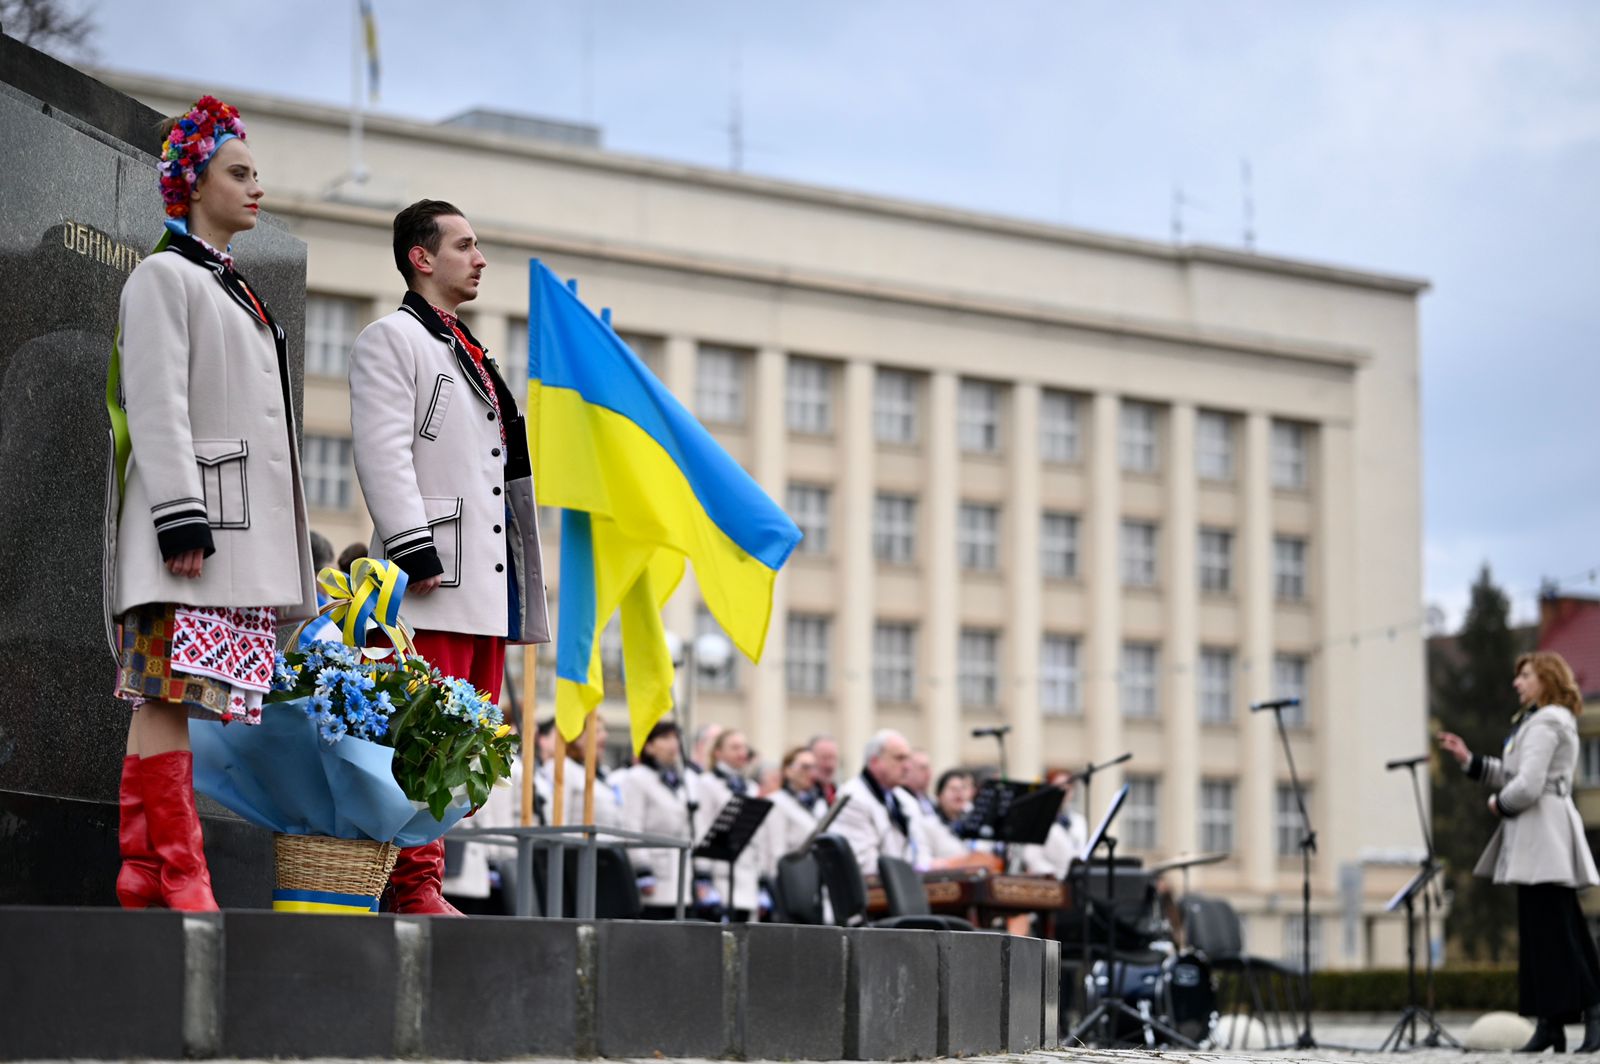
(79, 208)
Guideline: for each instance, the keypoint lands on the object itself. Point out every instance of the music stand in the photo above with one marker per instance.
(825, 823)
(986, 819)
(1028, 819)
(730, 833)
(1112, 1005)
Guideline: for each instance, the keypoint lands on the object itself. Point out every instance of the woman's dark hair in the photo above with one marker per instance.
(418, 227)
(662, 729)
(947, 775)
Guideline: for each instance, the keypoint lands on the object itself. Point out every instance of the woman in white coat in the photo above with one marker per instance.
(207, 532)
(1540, 846)
(660, 796)
(795, 805)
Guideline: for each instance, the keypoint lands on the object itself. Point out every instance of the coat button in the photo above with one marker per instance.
(495, 452)
(497, 528)
(490, 415)
(499, 568)
(497, 491)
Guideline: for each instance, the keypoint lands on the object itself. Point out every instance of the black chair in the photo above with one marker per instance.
(797, 890)
(908, 896)
(1257, 986)
(847, 890)
(616, 888)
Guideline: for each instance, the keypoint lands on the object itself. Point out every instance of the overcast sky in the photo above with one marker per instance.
(1451, 140)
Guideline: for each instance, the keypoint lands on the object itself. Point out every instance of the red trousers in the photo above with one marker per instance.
(478, 659)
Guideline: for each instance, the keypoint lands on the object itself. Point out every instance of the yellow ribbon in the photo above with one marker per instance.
(371, 591)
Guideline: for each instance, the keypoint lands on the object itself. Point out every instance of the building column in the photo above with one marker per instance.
(857, 613)
(1341, 741)
(1181, 789)
(1025, 751)
(942, 630)
(1258, 786)
(678, 374)
(767, 711)
(1104, 638)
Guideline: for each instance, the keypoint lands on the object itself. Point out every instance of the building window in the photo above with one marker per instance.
(327, 472)
(1216, 816)
(808, 507)
(1060, 687)
(1058, 545)
(1213, 457)
(808, 399)
(1141, 813)
(1136, 438)
(1060, 427)
(1289, 457)
(894, 406)
(894, 662)
(1216, 561)
(978, 668)
(978, 537)
(648, 349)
(1216, 685)
(1289, 568)
(1138, 554)
(727, 677)
(894, 528)
(1289, 681)
(807, 666)
(1287, 828)
(719, 385)
(1140, 694)
(1294, 940)
(332, 324)
(514, 363)
(1589, 761)
(978, 417)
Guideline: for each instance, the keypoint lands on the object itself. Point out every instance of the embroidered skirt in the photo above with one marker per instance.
(215, 661)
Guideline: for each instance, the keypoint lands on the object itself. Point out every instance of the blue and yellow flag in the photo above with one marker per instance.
(369, 34)
(644, 487)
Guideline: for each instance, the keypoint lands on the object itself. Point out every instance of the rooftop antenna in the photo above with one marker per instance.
(736, 117)
(1247, 186)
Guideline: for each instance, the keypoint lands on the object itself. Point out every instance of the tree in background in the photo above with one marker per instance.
(49, 25)
(1469, 678)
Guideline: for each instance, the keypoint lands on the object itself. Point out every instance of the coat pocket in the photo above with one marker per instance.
(444, 521)
(438, 406)
(222, 478)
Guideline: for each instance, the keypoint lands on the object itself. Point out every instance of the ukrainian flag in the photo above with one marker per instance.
(644, 487)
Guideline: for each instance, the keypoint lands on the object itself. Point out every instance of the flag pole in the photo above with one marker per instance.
(558, 796)
(590, 735)
(530, 717)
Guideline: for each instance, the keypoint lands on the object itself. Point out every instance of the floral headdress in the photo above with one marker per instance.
(188, 149)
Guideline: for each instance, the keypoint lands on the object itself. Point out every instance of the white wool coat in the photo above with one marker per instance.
(1540, 838)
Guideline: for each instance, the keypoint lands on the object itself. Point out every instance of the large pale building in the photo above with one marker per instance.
(1106, 491)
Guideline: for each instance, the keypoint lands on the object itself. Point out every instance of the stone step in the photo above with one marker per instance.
(103, 984)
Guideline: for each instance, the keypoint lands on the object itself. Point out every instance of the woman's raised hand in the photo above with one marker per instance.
(1455, 746)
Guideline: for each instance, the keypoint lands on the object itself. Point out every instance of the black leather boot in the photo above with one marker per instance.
(1547, 1034)
(1591, 1030)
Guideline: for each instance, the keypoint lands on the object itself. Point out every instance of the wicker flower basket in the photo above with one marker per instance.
(320, 874)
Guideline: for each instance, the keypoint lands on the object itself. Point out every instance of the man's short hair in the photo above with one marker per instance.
(321, 552)
(820, 737)
(876, 744)
(418, 227)
(348, 556)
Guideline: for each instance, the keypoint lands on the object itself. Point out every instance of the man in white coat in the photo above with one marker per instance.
(881, 818)
(443, 461)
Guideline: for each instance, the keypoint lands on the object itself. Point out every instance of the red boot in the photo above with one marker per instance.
(168, 786)
(414, 884)
(139, 880)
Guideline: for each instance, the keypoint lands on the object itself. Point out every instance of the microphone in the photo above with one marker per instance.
(1276, 703)
(991, 733)
(1405, 762)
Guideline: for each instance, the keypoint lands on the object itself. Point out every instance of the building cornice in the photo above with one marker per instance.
(537, 242)
(773, 188)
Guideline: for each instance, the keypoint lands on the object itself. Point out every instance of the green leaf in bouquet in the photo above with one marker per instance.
(438, 802)
(477, 793)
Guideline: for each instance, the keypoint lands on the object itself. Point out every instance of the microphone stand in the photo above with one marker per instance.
(1087, 776)
(1308, 846)
(1437, 1035)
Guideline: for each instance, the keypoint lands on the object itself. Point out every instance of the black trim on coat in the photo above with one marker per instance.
(181, 531)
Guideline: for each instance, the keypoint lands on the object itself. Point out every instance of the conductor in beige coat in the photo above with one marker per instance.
(1540, 846)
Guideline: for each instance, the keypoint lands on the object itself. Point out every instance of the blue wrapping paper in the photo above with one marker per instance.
(281, 776)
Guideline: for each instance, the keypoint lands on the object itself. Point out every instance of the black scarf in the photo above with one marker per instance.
(736, 783)
(897, 816)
